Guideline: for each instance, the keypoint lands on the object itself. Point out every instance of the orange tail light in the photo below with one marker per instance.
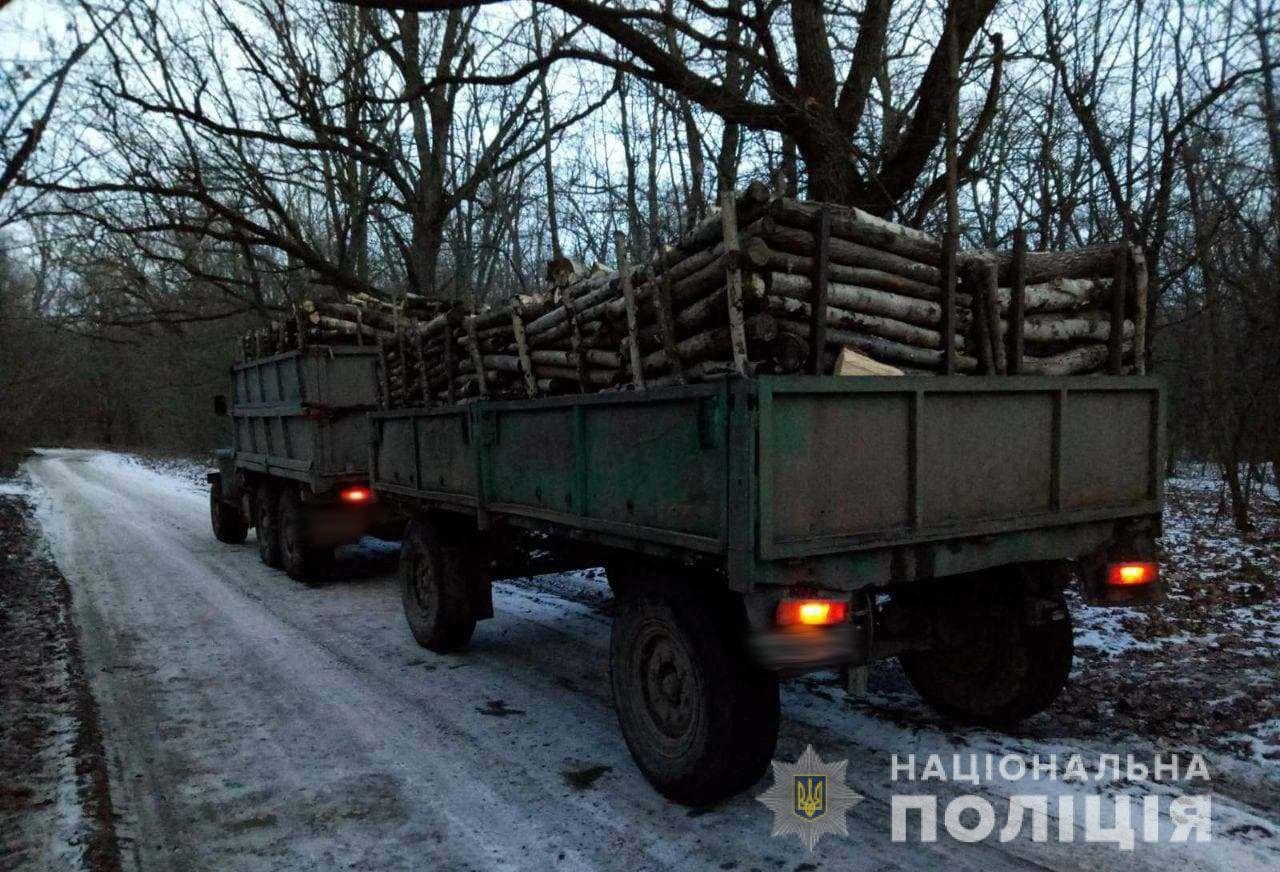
(812, 613)
(1132, 574)
(356, 495)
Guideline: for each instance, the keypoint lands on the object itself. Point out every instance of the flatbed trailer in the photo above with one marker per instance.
(297, 469)
(754, 528)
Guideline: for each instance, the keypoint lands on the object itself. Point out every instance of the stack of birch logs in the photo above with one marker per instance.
(358, 319)
(1059, 313)
(762, 285)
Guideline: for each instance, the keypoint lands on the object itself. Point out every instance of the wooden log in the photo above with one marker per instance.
(852, 362)
(713, 343)
(599, 293)
(876, 325)
(1140, 290)
(442, 325)
(575, 339)
(667, 332)
(1017, 302)
(786, 238)
(592, 378)
(1084, 326)
(522, 351)
(633, 314)
(710, 229)
(704, 370)
(1119, 293)
(695, 317)
(695, 261)
(855, 225)
(1058, 295)
(353, 312)
(980, 329)
(884, 349)
(595, 357)
(450, 369)
(423, 382)
(300, 326)
(985, 277)
(349, 328)
(818, 313)
(733, 284)
(950, 283)
(384, 377)
(858, 299)
(1041, 266)
(758, 252)
(788, 353)
(1086, 358)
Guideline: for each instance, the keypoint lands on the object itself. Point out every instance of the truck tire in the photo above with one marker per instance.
(301, 560)
(700, 720)
(1007, 669)
(229, 524)
(266, 518)
(436, 582)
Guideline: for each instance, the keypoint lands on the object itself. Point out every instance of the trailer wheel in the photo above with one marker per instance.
(699, 718)
(436, 581)
(301, 560)
(1000, 667)
(266, 504)
(229, 524)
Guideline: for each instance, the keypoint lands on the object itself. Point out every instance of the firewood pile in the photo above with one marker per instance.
(762, 285)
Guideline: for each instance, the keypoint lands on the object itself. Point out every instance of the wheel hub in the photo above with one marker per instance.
(666, 678)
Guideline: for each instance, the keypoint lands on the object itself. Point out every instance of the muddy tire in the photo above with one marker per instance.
(699, 719)
(1003, 667)
(266, 519)
(229, 525)
(437, 581)
(301, 560)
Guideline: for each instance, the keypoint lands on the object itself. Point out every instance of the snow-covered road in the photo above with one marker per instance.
(254, 723)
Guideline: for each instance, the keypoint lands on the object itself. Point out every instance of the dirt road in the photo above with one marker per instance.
(254, 723)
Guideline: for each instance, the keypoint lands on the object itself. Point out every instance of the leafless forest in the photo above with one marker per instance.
(173, 173)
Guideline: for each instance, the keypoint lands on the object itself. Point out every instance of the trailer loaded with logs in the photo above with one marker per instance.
(762, 286)
(801, 438)
(297, 470)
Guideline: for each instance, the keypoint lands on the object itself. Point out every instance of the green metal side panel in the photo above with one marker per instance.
(803, 480)
(862, 463)
(300, 414)
(641, 467)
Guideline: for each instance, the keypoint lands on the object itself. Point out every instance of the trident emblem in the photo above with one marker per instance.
(811, 796)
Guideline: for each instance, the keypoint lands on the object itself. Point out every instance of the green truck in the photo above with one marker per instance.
(756, 528)
(297, 468)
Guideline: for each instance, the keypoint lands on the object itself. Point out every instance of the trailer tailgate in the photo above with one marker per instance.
(852, 463)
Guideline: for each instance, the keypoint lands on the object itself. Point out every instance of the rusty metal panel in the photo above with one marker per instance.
(533, 455)
(855, 464)
(660, 465)
(345, 446)
(986, 456)
(289, 384)
(342, 379)
(395, 450)
(301, 413)
(1108, 441)
(446, 458)
(840, 465)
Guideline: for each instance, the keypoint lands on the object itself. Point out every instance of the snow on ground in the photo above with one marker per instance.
(257, 723)
(53, 810)
(1204, 666)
